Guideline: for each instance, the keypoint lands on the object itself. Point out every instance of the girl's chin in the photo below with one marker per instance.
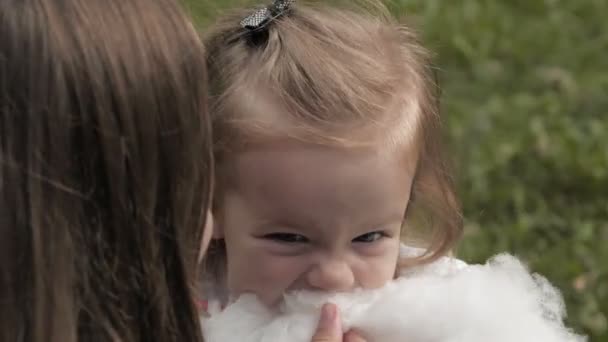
(272, 303)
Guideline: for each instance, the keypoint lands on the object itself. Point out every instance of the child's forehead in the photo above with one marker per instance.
(299, 180)
(289, 157)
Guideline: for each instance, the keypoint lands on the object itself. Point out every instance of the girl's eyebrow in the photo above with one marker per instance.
(393, 218)
(315, 225)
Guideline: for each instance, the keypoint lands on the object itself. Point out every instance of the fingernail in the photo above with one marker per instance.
(353, 336)
(329, 316)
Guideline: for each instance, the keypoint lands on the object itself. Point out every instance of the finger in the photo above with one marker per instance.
(354, 336)
(329, 328)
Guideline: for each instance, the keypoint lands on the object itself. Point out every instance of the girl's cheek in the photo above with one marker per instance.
(281, 272)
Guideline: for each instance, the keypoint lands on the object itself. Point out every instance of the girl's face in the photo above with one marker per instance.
(298, 216)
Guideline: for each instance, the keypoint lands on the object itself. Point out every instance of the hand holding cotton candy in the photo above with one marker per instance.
(499, 301)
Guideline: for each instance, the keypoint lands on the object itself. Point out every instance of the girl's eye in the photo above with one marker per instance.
(286, 238)
(369, 237)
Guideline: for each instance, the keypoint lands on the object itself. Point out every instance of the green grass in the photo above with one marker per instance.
(525, 94)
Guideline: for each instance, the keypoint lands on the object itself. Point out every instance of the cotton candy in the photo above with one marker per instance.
(447, 301)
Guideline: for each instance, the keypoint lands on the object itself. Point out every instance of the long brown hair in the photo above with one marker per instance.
(105, 170)
(333, 71)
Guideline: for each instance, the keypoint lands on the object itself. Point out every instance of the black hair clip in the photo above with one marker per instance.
(263, 16)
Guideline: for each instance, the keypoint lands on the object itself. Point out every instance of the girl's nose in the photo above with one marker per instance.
(331, 274)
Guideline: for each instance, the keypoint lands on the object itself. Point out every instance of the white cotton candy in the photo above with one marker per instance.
(499, 302)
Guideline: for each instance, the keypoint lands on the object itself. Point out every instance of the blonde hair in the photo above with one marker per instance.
(334, 70)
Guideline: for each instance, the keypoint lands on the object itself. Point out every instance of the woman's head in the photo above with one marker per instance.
(105, 170)
(328, 129)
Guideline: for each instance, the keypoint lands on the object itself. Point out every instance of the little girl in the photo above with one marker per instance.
(327, 146)
(328, 152)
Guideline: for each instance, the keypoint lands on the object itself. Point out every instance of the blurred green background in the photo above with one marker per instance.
(525, 97)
